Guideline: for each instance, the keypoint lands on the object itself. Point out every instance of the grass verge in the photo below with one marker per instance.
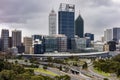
(102, 73)
(40, 70)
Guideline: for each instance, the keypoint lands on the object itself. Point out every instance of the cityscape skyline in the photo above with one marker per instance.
(25, 20)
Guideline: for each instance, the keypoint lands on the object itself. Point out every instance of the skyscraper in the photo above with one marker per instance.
(66, 22)
(16, 38)
(10, 42)
(0, 44)
(116, 34)
(108, 35)
(5, 39)
(27, 44)
(52, 23)
(79, 26)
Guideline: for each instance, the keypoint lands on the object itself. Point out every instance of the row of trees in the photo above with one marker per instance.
(11, 75)
(109, 65)
(11, 71)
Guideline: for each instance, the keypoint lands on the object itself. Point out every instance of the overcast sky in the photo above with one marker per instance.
(31, 16)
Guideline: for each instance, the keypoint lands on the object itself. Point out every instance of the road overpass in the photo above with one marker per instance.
(65, 55)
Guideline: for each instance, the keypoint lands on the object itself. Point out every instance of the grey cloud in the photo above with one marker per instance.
(97, 14)
(15, 10)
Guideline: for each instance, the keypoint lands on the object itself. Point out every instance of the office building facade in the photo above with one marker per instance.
(78, 44)
(16, 38)
(79, 27)
(62, 43)
(10, 42)
(116, 34)
(90, 36)
(66, 24)
(0, 44)
(66, 16)
(27, 44)
(108, 35)
(112, 45)
(38, 49)
(5, 39)
(52, 23)
(50, 44)
(99, 46)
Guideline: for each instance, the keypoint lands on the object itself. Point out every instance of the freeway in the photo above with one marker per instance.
(73, 77)
(79, 76)
(63, 55)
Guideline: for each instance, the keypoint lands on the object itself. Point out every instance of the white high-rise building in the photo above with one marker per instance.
(52, 23)
(108, 35)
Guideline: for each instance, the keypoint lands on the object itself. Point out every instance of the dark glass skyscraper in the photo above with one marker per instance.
(66, 21)
(79, 26)
(5, 39)
(116, 34)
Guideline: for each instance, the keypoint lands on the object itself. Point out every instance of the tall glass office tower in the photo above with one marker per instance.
(16, 38)
(79, 26)
(66, 21)
(5, 39)
(116, 34)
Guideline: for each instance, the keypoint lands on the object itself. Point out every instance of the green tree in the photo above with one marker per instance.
(1, 65)
(44, 67)
(16, 62)
(85, 66)
(60, 68)
(105, 79)
(7, 75)
(19, 69)
(50, 59)
(24, 76)
(37, 78)
(26, 60)
(66, 77)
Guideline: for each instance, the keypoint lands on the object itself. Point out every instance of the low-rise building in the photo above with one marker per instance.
(50, 44)
(106, 47)
(99, 46)
(78, 43)
(62, 43)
